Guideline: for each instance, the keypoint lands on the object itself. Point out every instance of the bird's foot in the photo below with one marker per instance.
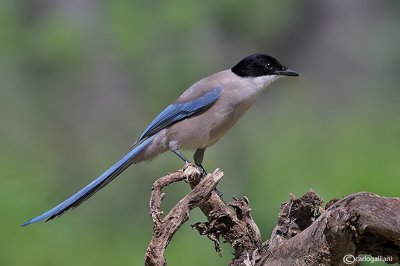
(219, 193)
(196, 172)
(202, 171)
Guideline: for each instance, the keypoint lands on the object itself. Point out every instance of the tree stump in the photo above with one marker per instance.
(307, 233)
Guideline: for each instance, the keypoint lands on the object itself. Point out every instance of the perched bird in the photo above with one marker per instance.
(195, 121)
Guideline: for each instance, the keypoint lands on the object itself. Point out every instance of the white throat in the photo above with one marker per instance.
(261, 83)
(252, 87)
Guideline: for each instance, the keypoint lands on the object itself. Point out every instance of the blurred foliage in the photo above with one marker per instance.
(81, 79)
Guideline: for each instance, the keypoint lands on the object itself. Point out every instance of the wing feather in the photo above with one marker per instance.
(179, 111)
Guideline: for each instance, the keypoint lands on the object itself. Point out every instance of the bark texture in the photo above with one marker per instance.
(307, 232)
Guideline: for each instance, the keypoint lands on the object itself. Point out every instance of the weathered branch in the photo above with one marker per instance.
(306, 232)
(232, 222)
(361, 223)
(165, 228)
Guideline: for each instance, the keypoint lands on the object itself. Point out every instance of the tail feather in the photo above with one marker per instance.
(88, 191)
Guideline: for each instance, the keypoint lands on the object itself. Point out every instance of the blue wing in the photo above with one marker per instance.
(179, 111)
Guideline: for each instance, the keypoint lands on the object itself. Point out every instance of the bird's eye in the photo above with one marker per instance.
(268, 66)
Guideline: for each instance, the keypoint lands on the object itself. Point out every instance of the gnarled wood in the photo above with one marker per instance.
(165, 228)
(306, 233)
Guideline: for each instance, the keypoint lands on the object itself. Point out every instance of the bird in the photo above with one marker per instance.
(195, 121)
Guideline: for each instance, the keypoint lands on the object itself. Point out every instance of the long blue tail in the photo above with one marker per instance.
(85, 193)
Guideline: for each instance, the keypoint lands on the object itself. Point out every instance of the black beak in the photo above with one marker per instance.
(286, 72)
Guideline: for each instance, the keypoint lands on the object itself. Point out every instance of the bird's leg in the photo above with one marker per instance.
(198, 156)
(181, 155)
(198, 160)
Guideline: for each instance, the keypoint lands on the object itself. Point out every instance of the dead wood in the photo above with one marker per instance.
(307, 233)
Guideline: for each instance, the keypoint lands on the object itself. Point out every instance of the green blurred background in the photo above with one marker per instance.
(80, 80)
